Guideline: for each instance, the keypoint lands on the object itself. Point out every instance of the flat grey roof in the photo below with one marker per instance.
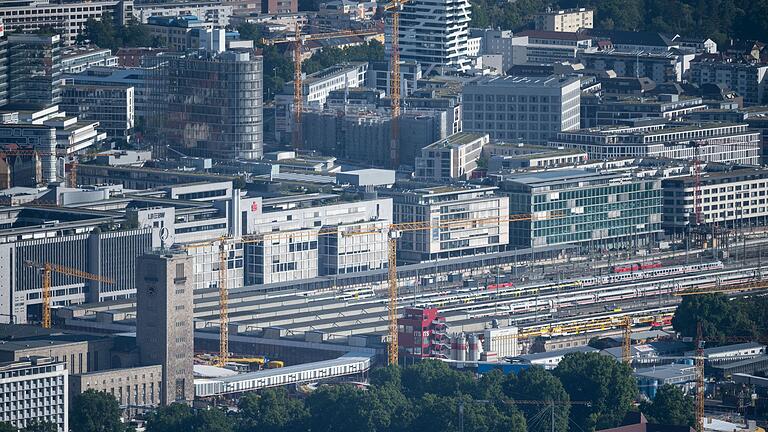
(556, 175)
(667, 371)
(558, 353)
(525, 81)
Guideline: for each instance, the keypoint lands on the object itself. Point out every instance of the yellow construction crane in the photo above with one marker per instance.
(626, 346)
(699, 379)
(297, 41)
(394, 7)
(47, 269)
(223, 303)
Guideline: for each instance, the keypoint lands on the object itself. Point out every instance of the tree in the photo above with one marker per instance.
(386, 376)
(7, 427)
(340, 409)
(720, 318)
(105, 34)
(433, 376)
(210, 420)
(272, 410)
(442, 413)
(172, 418)
(670, 407)
(41, 426)
(93, 411)
(538, 384)
(601, 380)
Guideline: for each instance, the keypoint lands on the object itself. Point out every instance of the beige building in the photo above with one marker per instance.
(164, 328)
(453, 158)
(137, 386)
(565, 20)
(78, 356)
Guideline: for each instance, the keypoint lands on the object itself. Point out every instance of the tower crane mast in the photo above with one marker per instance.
(49, 268)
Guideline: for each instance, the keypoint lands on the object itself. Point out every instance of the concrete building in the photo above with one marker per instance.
(565, 20)
(365, 137)
(733, 198)
(75, 242)
(459, 206)
(34, 70)
(315, 90)
(79, 354)
(732, 353)
(454, 158)
(132, 386)
(434, 33)
(319, 242)
(550, 359)
(180, 33)
(609, 111)
(164, 329)
(585, 207)
(68, 18)
(78, 59)
(527, 108)
(379, 76)
(747, 79)
(502, 156)
(275, 7)
(111, 106)
(138, 78)
(501, 42)
(721, 142)
(215, 12)
(38, 137)
(663, 67)
(210, 104)
(682, 376)
(548, 47)
(501, 340)
(634, 41)
(345, 14)
(34, 390)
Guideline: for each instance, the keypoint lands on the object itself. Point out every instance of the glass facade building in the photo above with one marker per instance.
(579, 206)
(210, 104)
(34, 70)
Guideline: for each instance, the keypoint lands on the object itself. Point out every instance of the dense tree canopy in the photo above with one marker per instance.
(93, 411)
(670, 407)
(105, 34)
(722, 319)
(428, 396)
(608, 385)
(720, 20)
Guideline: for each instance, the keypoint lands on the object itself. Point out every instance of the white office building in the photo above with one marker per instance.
(468, 210)
(453, 158)
(33, 390)
(730, 198)
(67, 17)
(434, 33)
(533, 109)
(215, 12)
(316, 234)
(717, 142)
